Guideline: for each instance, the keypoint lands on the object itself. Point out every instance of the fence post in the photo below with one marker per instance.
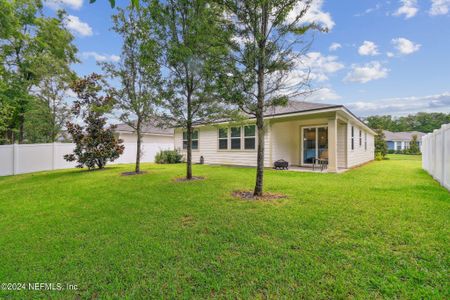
(53, 155)
(15, 158)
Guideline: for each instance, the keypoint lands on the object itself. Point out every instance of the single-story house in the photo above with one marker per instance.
(150, 134)
(400, 140)
(299, 133)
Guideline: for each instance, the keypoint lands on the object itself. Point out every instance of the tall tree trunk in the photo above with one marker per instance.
(189, 151)
(260, 105)
(189, 139)
(260, 158)
(138, 150)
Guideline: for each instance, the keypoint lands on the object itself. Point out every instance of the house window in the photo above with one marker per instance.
(353, 138)
(194, 140)
(365, 141)
(235, 138)
(223, 138)
(360, 138)
(249, 137)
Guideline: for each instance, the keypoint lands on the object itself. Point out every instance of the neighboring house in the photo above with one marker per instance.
(150, 134)
(297, 133)
(400, 140)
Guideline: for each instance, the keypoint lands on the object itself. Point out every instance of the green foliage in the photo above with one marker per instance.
(138, 72)
(33, 48)
(267, 43)
(376, 232)
(193, 38)
(422, 121)
(168, 157)
(96, 145)
(414, 146)
(381, 148)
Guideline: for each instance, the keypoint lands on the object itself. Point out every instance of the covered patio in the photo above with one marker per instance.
(309, 140)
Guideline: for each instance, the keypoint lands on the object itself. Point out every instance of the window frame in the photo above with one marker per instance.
(226, 138)
(245, 137)
(365, 141)
(353, 138)
(241, 138)
(360, 138)
(192, 141)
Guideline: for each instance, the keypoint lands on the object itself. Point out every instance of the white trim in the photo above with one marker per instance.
(301, 162)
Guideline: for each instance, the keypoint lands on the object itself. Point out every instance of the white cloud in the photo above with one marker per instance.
(439, 7)
(405, 46)
(313, 15)
(313, 67)
(367, 72)
(368, 48)
(390, 54)
(369, 10)
(100, 57)
(408, 9)
(405, 105)
(75, 25)
(322, 94)
(57, 4)
(334, 46)
(321, 66)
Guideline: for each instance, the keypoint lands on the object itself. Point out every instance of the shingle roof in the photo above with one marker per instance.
(147, 128)
(401, 136)
(298, 106)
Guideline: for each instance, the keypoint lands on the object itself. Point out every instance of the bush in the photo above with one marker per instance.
(168, 157)
(392, 151)
(379, 156)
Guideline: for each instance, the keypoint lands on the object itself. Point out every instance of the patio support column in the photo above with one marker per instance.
(332, 145)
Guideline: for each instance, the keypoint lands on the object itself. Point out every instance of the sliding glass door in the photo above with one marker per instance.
(315, 144)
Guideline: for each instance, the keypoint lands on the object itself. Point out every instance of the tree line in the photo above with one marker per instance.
(422, 121)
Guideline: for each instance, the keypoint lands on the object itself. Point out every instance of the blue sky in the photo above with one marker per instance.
(379, 57)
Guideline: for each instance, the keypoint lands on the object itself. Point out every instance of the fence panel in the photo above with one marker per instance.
(26, 158)
(436, 155)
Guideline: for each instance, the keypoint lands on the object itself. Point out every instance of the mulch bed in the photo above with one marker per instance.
(248, 195)
(133, 173)
(194, 178)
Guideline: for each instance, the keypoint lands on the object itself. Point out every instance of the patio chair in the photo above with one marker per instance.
(322, 161)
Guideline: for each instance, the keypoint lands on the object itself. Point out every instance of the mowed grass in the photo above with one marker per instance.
(378, 231)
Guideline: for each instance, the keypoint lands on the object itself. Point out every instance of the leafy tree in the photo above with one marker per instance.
(414, 145)
(32, 47)
(266, 48)
(138, 72)
(192, 41)
(422, 121)
(381, 148)
(95, 144)
(380, 122)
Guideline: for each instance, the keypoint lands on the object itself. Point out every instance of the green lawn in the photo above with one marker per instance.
(379, 231)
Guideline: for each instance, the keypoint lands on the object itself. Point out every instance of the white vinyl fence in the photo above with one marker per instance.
(436, 155)
(26, 158)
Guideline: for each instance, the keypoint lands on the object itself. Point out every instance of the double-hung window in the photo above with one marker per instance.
(365, 141)
(235, 138)
(360, 138)
(353, 138)
(223, 138)
(194, 140)
(249, 137)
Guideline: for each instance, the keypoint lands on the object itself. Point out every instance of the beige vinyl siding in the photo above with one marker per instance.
(209, 149)
(359, 155)
(342, 145)
(286, 138)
